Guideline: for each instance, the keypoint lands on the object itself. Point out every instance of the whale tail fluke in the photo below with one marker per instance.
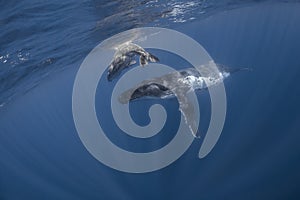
(153, 58)
(144, 59)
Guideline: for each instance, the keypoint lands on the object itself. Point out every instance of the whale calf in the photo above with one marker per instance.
(125, 57)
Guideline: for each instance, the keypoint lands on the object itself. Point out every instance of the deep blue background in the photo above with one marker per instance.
(257, 156)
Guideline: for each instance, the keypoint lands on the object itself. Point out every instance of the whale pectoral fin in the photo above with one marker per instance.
(143, 61)
(153, 58)
(187, 110)
(145, 56)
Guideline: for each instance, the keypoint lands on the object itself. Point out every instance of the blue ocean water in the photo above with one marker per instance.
(42, 44)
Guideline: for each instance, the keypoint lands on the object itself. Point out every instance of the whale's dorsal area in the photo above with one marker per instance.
(125, 56)
(183, 81)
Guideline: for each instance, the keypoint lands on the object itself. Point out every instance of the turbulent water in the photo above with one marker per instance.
(38, 38)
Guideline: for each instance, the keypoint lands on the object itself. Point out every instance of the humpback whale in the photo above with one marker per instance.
(125, 57)
(178, 84)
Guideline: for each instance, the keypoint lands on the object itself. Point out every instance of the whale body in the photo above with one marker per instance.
(178, 84)
(125, 57)
(186, 80)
